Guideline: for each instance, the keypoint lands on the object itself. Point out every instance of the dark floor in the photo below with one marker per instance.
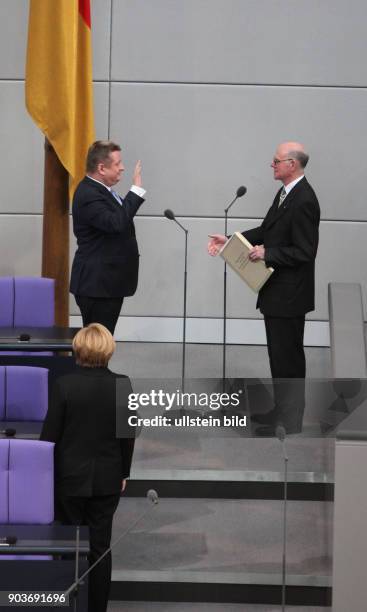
(205, 540)
(129, 606)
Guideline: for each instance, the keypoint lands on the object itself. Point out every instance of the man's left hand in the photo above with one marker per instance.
(257, 252)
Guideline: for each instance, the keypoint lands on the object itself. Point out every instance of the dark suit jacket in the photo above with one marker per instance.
(290, 236)
(107, 260)
(81, 420)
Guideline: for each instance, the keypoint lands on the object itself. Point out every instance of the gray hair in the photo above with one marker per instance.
(300, 156)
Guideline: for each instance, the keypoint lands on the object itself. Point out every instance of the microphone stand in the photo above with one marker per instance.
(172, 217)
(76, 575)
(152, 496)
(225, 299)
(281, 433)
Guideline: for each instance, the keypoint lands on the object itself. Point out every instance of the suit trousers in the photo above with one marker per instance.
(100, 310)
(97, 513)
(287, 361)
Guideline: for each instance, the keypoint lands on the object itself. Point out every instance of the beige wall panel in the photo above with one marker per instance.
(161, 245)
(240, 41)
(101, 22)
(14, 32)
(21, 151)
(13, 38)
(100, 93)
(199, 143)
(20, 245)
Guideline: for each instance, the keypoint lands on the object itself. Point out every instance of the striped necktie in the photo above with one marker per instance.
(116, 196)
(282, 197)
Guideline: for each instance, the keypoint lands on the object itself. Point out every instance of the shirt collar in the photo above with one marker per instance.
(100, 182)
(290, 186)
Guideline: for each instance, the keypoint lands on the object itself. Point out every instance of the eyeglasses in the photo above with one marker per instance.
(275, 161)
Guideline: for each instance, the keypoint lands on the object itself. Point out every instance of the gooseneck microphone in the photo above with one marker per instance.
(9, 432)
(239, 193)
(169, 214)
(20, 338)
(8, 541)
(24, 338)
(281, 435)
(152, 496)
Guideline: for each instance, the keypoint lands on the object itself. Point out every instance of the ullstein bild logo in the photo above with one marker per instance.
(177, 399)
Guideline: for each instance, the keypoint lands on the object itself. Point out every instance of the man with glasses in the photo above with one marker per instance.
(287, 241)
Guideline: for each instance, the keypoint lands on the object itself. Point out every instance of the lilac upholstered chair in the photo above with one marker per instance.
(23, 393)
(26, 486)
(27, 302)
(31, 482)
(2, 394)
(34, 302)
(4, 477)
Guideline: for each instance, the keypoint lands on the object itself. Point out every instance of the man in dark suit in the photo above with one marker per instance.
(105, 266)
(287, 240)
(91, 463)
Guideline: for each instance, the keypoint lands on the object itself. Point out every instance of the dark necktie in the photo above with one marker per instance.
(282, 197)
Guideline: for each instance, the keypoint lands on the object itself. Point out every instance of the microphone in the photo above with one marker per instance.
(24, 338)
(239, 193)
(152, 496)
(280, 433)
(169, 214)
(8, 541)
(20, 338)
(9, 432)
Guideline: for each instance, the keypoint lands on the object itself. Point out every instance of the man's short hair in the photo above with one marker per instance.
(93, 346)
(99, 152)
(300, 156)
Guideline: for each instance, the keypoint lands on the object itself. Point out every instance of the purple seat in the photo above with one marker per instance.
(31, 482)
(26, 486)
(2, 393)
(34, 303)
(27, 302)
(6, 301)
(26, 393)
(4, 481)
(26, 482)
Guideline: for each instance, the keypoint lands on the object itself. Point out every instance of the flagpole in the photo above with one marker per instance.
(55, 241)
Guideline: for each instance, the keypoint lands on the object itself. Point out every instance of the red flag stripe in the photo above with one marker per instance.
(84, 10)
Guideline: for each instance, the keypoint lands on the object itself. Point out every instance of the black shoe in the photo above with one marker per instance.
(267, 418)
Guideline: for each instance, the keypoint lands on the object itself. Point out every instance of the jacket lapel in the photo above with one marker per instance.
(276, 211)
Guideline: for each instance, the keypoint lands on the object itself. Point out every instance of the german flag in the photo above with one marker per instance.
(59, 95)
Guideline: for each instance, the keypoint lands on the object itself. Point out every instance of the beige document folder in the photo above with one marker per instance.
(235, 254)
